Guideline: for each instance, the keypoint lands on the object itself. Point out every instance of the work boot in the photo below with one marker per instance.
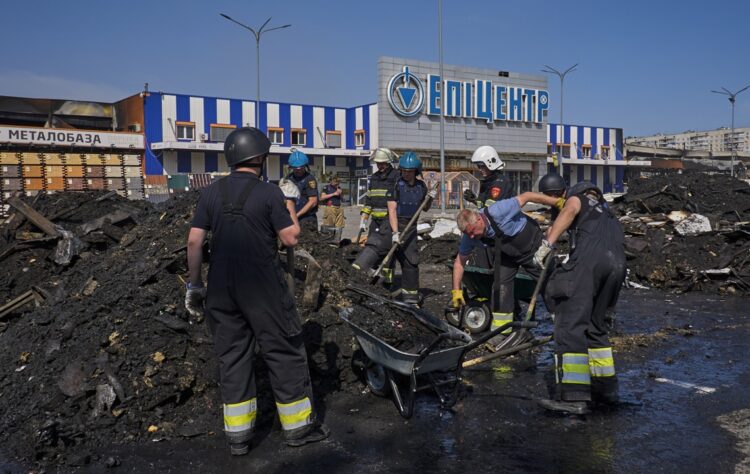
(317, 432)
(239, 449)
(604, 390)
(560, 406)
(410, 297)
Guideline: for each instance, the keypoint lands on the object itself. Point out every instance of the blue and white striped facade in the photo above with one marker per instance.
(590, 154)
(167, 155)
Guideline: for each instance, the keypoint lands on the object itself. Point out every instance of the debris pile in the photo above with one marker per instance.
(688, 232)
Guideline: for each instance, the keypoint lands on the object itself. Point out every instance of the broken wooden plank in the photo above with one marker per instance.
(96, 224)
(34, 217)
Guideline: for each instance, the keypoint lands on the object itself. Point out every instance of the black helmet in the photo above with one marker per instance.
(551, 183)
(244, 144)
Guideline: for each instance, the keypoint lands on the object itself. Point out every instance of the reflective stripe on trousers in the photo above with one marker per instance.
(387, 274)
(601, 362)
(295, 415)
(499, 319)
(240, 417)
(575, 369)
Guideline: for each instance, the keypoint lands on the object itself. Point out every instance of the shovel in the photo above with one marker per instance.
(426, 202)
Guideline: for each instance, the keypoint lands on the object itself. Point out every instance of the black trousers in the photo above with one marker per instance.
(512, 253)
(249, 304)
(407, 255)
(377, 246)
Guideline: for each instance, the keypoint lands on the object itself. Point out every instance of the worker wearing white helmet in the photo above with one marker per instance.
(494, 185)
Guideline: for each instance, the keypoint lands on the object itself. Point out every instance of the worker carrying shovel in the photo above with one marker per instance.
(515, 238)
(404, 201)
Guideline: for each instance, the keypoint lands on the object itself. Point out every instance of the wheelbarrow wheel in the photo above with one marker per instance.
(477, 317)
(377, 380)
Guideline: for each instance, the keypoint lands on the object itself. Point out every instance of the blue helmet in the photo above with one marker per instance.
(409, 161)
(298, 159)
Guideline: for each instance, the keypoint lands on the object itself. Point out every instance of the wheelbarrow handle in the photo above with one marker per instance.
(498, 330)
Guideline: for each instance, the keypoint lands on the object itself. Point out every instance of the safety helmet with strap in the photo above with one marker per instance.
(383, 155)
(244, 144)
(298, 159)
(487, 156)
(410, 161)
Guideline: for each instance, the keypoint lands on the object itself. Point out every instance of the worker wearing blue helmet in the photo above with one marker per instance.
(307, 203)
(404, 199)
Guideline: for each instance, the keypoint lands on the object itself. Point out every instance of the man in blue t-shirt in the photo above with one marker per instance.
(515, 238)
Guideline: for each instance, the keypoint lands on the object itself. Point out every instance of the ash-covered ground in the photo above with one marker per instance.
(104, 352)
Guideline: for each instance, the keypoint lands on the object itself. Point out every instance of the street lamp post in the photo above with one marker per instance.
(732, 98)
(443, 194)
(257, 34)
(561, 75)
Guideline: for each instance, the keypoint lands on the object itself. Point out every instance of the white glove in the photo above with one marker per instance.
(542, 253)
(290, 190)
(194, 297)
(395, 238)
(432, 193)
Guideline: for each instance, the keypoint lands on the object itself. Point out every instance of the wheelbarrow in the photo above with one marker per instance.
(476, 315)
(432, 367)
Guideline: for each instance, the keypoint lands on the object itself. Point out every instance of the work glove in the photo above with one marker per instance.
(470, 196)
(194, 296)
(290, 190)
(542, 253)
(432, 193)
(457, 298)
(395, 238)
(560, 203)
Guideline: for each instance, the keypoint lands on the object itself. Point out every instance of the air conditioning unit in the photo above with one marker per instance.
(204, 137)
(134, 127)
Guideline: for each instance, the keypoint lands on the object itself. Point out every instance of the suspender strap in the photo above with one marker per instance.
(239, 204)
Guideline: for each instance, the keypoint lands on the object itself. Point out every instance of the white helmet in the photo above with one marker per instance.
(487, 156)
(383, 155)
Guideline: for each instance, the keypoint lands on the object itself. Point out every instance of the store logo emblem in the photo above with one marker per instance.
(405, 93)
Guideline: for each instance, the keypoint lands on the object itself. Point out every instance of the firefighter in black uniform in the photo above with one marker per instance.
(404, 200)
(582, 292)
(247, 301)
(376, 211)
(494, 185)
(307, 203)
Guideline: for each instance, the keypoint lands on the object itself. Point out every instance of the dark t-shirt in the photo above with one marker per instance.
(265, 210)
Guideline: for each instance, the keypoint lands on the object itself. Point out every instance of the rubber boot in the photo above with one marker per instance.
(604, 390)
(560, 406)
(239, 449)
(315, 433)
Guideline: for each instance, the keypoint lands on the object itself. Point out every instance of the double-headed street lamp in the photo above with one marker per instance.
(561, 75)
(257, 35)
(732, 99)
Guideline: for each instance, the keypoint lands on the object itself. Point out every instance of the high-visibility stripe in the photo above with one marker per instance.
(409, 292)
(356, 267)
(601, 362)
(379, 214)
(296, 414)
(499, 319)
(377, 192)
(489, 202)
(387, 274)
(575, 369)
(367, 209)
(241, 416)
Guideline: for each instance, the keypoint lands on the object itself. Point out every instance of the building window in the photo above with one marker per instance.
(333, 139)
(219, 132)
(185, 130)
(605, 153)
(586, 151)
(359, 138)
(564, 150)
(276, 135)
(549, 149)
(299, 137)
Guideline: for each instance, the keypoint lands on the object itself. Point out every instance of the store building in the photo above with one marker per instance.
(56, 145)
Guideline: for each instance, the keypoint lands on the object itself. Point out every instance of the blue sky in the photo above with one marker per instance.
(644, 66)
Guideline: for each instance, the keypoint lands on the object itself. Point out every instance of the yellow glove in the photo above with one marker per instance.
(560, 203)
(457, 298)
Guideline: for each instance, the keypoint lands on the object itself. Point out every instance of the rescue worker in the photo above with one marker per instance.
(552, 184)
(248, 303)
(307, 204)
(516, 236)
(333, 214)
(582, 292)
(494, 185)
(404, 199)
(375, 211)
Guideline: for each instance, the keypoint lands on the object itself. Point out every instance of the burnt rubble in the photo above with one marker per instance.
(97, 346)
